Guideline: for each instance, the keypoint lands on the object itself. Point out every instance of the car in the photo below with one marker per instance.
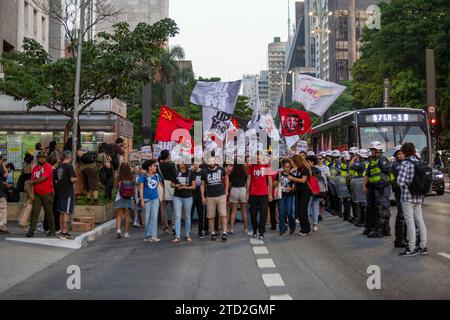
(438, 182)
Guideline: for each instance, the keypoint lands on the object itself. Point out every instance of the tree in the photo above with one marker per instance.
(243, 109)
(397, 51)
(114, 64)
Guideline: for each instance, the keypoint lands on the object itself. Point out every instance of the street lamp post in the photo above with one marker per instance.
(83, 6)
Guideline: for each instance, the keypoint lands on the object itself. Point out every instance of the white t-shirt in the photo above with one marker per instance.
(325, 171)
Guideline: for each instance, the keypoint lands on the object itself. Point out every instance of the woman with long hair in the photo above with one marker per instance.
(124, 198)
(303, 192)
(238, 194)
(184, 185)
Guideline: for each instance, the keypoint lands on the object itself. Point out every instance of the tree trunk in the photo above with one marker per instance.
(67, 129)
(168, 93)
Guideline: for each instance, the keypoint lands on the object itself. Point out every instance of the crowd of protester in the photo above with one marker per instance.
(354, 185)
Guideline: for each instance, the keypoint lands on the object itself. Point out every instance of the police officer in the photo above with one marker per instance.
(357, 170)
(329, 159)
(400, 225)
(335, 169)
(345, 201)
(377, 184)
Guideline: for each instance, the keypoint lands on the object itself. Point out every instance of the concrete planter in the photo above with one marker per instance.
(101, 214)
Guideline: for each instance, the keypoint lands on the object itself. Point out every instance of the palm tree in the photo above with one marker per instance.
(169, 71)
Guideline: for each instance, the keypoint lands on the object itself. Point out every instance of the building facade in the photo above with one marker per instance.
(135, 12)
(276, 68)
(263, 89)
(339, 48)
(250, 87)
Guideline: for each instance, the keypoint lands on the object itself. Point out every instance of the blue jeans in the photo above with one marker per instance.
(313, 209)
(151, 218)
(285, 209)
(178, 204)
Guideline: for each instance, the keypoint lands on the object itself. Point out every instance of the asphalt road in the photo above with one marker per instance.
(330, 264)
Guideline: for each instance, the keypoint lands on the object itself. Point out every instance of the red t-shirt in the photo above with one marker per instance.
(38, 171)
(259, 185)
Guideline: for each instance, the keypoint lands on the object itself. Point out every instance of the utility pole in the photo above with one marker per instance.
(83, 5)
(431, 98)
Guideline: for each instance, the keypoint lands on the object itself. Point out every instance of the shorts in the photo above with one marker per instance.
(90, 179)
(168, 190)
(238, 195)
(123, 204)
(65, 205)
(214, 204)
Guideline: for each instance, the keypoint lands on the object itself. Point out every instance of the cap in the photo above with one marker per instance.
(311, 153)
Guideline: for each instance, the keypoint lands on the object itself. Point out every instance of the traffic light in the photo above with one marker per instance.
(434, 123)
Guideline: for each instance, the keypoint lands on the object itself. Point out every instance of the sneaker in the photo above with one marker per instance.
(409, 253)
(245, 230)
(154, 240)
(297, 221)
(69, 237)
(119, 235)
(316, 228)
(201, 235)
(291, 231)
(51, 234)
(126, 235)
(301, 234)
(188, 239)
(136, 225)
(231, 231)
(261, 237)
(423, 252)
(176, 240)
(147, 240)
(30, 234)
(4, 231)
(224, 236)
(255, 235)
(213, 237)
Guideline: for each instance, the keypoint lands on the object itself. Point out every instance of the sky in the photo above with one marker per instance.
(229, 38)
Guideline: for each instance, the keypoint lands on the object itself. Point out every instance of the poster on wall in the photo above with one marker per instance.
(29, 143)
(14, 150)
(3, 145)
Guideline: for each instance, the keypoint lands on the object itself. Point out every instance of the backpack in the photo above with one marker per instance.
(422, 180)
(89, 157)
(115, 161)
(126, 189)
(313, 185)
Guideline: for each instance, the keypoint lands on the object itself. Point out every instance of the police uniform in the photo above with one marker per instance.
(379, 178)
(358, 171)
(346, 201)
(400, 225)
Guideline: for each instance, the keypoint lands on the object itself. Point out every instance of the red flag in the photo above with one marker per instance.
(294, 122)
(168, 122)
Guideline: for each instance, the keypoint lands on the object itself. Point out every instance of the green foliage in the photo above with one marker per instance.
(113, 65)
(243, 108)
(397, 50)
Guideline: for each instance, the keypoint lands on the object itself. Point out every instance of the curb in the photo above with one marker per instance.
(85, 238)
(79, 242)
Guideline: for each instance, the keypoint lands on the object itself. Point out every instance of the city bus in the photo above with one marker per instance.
(390, 126)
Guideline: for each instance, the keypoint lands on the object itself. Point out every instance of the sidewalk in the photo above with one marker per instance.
(447, 183)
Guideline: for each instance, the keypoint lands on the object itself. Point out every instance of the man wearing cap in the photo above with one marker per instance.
(377, 187)
(357, 170)
(346, 201)
(41, 179)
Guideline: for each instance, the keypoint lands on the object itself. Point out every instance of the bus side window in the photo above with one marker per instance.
(351, 136)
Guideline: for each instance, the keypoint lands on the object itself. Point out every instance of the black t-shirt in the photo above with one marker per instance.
(2, 186)
(302, 187)
(282, 177)
(197, 177)
(61, 180)
(168, 170)
(214, 181)
(183, 178)
(238, 180)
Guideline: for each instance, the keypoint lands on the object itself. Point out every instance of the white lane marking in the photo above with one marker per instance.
(445, 255)
(272, 280)
(281, 297)
(260, 250)
(265, 263)
(256, 241)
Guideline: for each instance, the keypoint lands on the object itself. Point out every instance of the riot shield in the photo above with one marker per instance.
(341, 187)
(357, 189)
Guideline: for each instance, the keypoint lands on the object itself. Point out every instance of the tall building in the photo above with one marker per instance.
(341, 47)
(276, 68)
(137, 11)
(250, 87)
(263, 89)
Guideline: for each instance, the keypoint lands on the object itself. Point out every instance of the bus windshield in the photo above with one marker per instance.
(392, 136)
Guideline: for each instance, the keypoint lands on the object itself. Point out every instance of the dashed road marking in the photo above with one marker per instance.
(273, 280)
(445, 255)
(260, 250)
(281, 297)
(265, 263)
(256, 241)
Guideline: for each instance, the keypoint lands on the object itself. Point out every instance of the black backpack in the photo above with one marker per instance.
(115, 160)
(423, 179)
(89, 157)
